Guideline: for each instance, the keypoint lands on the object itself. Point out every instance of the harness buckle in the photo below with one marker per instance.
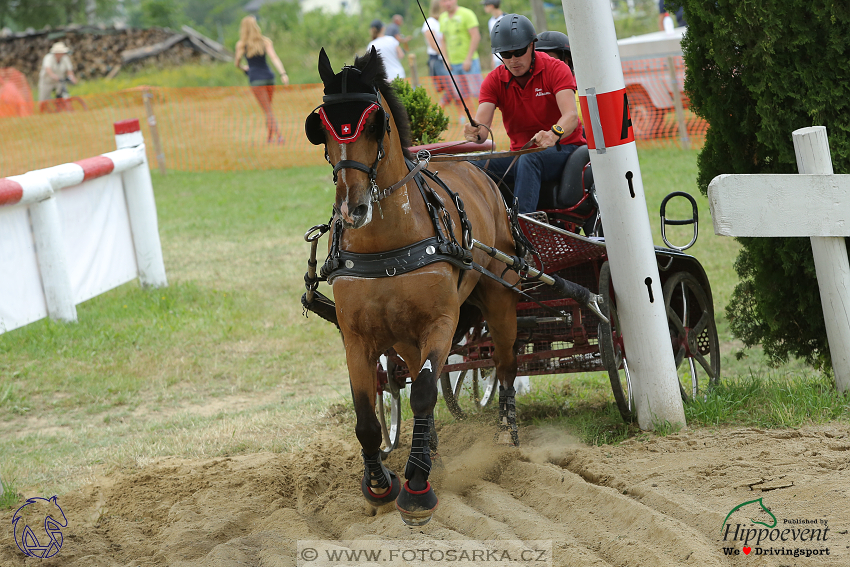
(316, 232)
(376, 196)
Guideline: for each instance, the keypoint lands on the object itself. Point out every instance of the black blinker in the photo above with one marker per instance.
(314, 129)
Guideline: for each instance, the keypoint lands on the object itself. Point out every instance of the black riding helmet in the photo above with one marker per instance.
(511, 32)
(555, 43)
(552, 41)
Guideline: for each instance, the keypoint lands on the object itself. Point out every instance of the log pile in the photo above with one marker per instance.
(98, 52)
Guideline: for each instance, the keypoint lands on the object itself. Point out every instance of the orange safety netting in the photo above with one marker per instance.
(225, 128)
(15, 94)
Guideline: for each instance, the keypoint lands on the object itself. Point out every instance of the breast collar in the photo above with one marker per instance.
(443, 247)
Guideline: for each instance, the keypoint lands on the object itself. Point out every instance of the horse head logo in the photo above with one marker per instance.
(32, 513)
(752, 514)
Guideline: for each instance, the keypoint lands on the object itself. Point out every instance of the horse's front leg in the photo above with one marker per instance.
(417, 500)
(379, 485)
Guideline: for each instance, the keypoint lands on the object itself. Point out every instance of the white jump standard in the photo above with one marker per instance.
(100, 232)
(769, 205)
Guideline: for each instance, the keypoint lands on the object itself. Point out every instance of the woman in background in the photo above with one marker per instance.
(254, 46)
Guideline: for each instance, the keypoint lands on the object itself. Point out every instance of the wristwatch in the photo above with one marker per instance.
(558, 131)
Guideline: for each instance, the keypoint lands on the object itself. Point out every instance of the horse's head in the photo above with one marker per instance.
(355, 125)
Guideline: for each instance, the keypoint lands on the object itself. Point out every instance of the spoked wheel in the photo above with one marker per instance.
(693, 332)
(612, 350)
(483, 386)
(388, 408)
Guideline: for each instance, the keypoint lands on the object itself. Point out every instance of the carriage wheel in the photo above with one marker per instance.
(388, 408)
(612, 350)
(484, 385)
(693, 332)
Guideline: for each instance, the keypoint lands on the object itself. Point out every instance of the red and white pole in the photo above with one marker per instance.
(628, 237)
(141, 205)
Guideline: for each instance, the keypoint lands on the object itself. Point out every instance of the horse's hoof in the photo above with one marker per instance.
(416, 507)
(385, 498)
(508, 438)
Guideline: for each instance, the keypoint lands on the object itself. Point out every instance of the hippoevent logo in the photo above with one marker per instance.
(759, 532)
(46, 540)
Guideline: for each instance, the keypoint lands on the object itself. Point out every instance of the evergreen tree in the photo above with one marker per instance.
(757, 71)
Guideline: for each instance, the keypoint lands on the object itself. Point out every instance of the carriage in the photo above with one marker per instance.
(567, 233)
(431, 265)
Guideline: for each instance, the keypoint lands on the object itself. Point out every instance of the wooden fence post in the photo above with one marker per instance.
(677, 103)
(414, 74)
(157, 144)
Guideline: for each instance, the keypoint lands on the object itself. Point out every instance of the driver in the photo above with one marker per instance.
(536, 95)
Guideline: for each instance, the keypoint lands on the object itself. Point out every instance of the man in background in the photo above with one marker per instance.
(56, 68)
(393, 29)
(459, 26)
(494, 10)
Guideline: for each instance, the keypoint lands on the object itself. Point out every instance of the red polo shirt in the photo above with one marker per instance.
(526, 111)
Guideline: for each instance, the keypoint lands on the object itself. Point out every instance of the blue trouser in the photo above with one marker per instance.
(469, 82)
(529, 171)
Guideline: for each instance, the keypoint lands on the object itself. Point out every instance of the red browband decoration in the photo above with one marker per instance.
(351, 136)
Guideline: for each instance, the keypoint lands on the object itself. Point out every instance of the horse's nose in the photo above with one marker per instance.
(359, 212)
(353, 217)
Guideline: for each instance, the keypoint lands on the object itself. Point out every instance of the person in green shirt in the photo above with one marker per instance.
(459, 27)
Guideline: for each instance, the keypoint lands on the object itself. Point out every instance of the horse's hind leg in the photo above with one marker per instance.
(499, 309)
(379, 485)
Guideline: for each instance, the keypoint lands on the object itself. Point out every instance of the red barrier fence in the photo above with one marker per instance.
(224, 128)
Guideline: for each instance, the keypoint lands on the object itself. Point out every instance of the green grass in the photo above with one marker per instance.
(222, 361)
(8, 495)
(198, 75)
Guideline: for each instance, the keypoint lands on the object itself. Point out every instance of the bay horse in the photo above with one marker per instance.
(415, 310)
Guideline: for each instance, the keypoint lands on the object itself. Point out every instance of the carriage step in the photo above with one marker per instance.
(534, 322)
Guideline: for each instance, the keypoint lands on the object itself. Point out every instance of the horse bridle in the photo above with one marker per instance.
(313, 127)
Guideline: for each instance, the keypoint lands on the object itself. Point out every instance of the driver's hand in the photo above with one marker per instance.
(472, 133)
(545, 139)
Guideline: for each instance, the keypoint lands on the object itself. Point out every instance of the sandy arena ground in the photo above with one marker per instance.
(659, 502)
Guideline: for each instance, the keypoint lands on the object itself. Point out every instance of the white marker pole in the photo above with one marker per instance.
(831, 263)
(141, 206)
(616, 172)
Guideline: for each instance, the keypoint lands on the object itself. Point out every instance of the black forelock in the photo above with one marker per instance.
(402, 121)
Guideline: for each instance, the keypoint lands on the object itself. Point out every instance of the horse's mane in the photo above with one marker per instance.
(399, 112)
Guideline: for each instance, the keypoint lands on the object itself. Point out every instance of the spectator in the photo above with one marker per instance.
(388, 48)
(394, 30)
(56, 69)
(459, 26)
(254, 46)
(493, 9)
(436, 67)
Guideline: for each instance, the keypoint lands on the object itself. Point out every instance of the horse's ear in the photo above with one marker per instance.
(370, 71)
(326, 72)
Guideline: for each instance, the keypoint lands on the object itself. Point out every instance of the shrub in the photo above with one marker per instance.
(427, 119)
(757, 71)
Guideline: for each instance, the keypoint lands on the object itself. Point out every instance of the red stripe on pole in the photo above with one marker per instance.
(127, 126)
(614, 116)
(10, 192)
(95, 167)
